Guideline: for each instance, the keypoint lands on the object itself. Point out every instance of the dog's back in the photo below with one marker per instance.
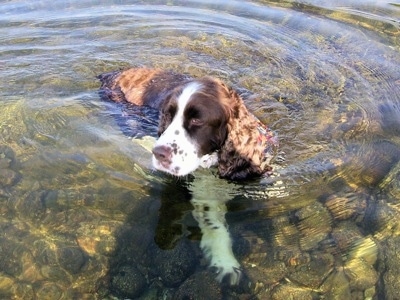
(140, 86)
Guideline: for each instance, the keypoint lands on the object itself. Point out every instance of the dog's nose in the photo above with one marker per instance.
(162, 153)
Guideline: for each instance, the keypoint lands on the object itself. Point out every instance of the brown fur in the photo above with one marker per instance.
(242, 155)
(240, 152)
(133, 85)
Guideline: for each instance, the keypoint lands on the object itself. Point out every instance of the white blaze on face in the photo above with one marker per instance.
(184, 158)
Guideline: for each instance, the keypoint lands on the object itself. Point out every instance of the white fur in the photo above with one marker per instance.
(209, 160)
(185, 159)
(216, 242)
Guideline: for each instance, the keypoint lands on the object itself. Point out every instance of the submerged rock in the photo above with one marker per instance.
(342, 208)
(292, 291)
(337, 286)
(8, 177)
(201, 285)
(314, 224)
(390, 267)
(49, 290)
(313, 273)
(361, 274)
(9, 174)
(32, 206)
(174, 266)
(128, 282)
(71, 258)
(10, 253)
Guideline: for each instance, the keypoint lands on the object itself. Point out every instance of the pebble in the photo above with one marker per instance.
(313, 273)
(8, 177)
(201, 285)
(314, 223)
(128, 282)
(361, 274)
(390, 267)
(32, 207)
(50, 291)
(175, 265)
(10, 253)
(291, 291)
(71, 258)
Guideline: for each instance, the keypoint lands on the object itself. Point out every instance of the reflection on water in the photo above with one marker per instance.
(84, 216)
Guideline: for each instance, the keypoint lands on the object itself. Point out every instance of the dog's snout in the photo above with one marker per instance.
(162, 153)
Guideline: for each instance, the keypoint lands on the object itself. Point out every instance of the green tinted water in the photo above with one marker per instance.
(84, 216)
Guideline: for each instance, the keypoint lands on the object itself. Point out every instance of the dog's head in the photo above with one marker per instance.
(193, 126)
(204, 123)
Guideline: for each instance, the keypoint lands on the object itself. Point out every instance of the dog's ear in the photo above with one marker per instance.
(237, 167)
(242, 154)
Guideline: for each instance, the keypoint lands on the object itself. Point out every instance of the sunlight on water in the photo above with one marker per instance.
(83, 215)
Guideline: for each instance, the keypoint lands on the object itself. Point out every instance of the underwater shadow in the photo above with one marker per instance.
(174, 234)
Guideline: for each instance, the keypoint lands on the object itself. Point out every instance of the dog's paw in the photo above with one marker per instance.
(227, 267)
(209, 160)
(231, 273)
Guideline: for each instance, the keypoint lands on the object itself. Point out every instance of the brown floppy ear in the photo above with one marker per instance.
(242, 155)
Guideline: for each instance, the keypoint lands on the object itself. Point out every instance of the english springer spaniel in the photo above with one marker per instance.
(203, 123)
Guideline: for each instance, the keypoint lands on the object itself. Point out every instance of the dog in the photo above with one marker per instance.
(202, 123)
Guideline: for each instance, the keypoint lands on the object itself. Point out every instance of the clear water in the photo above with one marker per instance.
(83, 216)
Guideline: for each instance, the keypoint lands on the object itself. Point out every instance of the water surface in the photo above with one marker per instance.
(83, 215)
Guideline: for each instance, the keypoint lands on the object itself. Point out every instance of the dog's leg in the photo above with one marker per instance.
(216, 242)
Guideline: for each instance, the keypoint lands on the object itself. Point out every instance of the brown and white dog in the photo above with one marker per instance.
(203, 123)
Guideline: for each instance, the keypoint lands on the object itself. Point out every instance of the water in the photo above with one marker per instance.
(83, 216)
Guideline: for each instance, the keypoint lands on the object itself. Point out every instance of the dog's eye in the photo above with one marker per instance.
(196, 122)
